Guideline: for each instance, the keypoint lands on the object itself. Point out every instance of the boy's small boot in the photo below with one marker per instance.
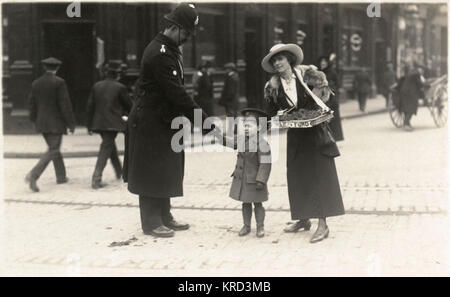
(247, 216)
(260, 214)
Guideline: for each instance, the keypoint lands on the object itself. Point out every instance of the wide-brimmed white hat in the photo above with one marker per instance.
(281, 47)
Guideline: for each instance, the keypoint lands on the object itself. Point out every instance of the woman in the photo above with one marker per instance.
(313, 185)
(332, 77)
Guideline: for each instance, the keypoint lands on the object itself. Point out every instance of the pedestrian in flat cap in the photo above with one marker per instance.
(107, 104)
(252, 170)
(51, 112)
(230, 92)
(152, 168)
(313, 186)
(203, 87)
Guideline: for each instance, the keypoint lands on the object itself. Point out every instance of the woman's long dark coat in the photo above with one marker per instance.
(313, 185)
(410, 93)
(152, 168)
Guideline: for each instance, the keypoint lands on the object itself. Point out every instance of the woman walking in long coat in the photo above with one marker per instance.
(313, 185)
(411, 90)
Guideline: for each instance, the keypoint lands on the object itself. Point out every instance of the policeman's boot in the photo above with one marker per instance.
(247, 216)
(260, 214)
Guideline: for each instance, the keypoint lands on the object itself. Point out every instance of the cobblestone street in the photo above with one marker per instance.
(394, 184)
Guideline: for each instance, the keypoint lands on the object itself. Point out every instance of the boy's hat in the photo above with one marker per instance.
(254, 112)
(257, 113)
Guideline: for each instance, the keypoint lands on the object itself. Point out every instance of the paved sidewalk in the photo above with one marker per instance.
(77, 241)
(83, 145)
(395, 193)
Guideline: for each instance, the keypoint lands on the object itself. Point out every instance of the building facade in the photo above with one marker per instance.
(228, 32)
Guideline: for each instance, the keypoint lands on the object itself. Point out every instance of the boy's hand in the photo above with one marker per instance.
(259, 185)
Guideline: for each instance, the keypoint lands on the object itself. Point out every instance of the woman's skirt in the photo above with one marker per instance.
(313, 184)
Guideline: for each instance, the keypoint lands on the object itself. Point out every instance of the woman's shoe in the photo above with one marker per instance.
(259, 232)
(306, 225)
(320, 235)
(244, 231)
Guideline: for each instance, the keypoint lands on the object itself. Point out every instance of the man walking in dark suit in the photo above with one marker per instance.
(107, 104)
(51, 111)
(153, 169)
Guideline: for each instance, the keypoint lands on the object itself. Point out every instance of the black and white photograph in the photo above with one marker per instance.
(224, 139)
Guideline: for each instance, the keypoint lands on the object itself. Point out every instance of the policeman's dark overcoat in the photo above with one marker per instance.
(152, 167)
(50, 106)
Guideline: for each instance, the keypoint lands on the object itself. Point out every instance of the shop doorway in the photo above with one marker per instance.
(254, 76)
(73, 44)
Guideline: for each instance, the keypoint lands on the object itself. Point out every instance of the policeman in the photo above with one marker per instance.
(153, 170)
(51, 111)
(107, 104)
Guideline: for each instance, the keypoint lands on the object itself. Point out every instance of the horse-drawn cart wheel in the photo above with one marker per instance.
(439, 104)
(396, 116)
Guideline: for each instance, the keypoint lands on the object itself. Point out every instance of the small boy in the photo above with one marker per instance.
(252, 170)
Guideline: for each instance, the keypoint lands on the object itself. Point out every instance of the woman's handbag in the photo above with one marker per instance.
(323, 135)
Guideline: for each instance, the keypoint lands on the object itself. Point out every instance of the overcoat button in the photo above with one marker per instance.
(134, 125)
